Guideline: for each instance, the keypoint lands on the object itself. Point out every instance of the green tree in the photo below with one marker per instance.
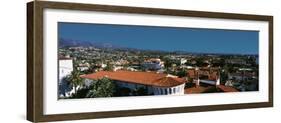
(168, 63)
(223, 77)
(101, 88)
(200, 62)
(109, 67)
(74, 79)
(181, 73)
(81, 93)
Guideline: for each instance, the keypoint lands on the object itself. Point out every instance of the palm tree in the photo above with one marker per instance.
(74, 79)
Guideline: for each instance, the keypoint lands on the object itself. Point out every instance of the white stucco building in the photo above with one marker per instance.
(154, 83)
(153, 64)
(65, 69)
(183, 61)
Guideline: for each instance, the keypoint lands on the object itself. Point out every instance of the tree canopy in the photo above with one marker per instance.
(74, 79)
(101, 88)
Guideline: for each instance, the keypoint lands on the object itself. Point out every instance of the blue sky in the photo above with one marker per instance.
(164, 38)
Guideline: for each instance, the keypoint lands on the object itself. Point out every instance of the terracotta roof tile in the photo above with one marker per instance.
(212, 75)
(227, 89)
(195, 90)
(145, 78)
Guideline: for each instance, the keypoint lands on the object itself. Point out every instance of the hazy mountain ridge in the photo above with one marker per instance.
(76, 43)
(104, 45)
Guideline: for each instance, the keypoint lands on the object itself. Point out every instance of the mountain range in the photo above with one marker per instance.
(103, 45)
(75, 43)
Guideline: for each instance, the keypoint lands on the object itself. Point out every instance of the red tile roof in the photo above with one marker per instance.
(144, 78)
(191, 73)
(227, 89)
(195, 90)
(201, 89)
(212, 74)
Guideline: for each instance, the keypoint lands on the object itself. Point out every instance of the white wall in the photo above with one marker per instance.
(65, 68)
(13, 61)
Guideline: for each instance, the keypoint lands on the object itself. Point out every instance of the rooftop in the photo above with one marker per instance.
(203, 89)
(144, 78)
(227, 88)
(60, 57)
(207, 74)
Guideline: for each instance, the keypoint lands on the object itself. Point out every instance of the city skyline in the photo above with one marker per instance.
(164, 38)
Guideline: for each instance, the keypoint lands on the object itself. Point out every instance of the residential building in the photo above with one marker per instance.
(241, 76)
(153, 64)
(83, 67)
(183, 61)
(204, 75)
(236, 61)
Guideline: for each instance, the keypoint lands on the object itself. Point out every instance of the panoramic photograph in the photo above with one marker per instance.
(107, 60)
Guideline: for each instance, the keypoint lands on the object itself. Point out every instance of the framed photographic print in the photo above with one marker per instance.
(97, 61)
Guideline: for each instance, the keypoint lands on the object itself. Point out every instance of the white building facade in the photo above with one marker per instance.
(153, 64)
(151, 90)
(176, 90)
(65, 69)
